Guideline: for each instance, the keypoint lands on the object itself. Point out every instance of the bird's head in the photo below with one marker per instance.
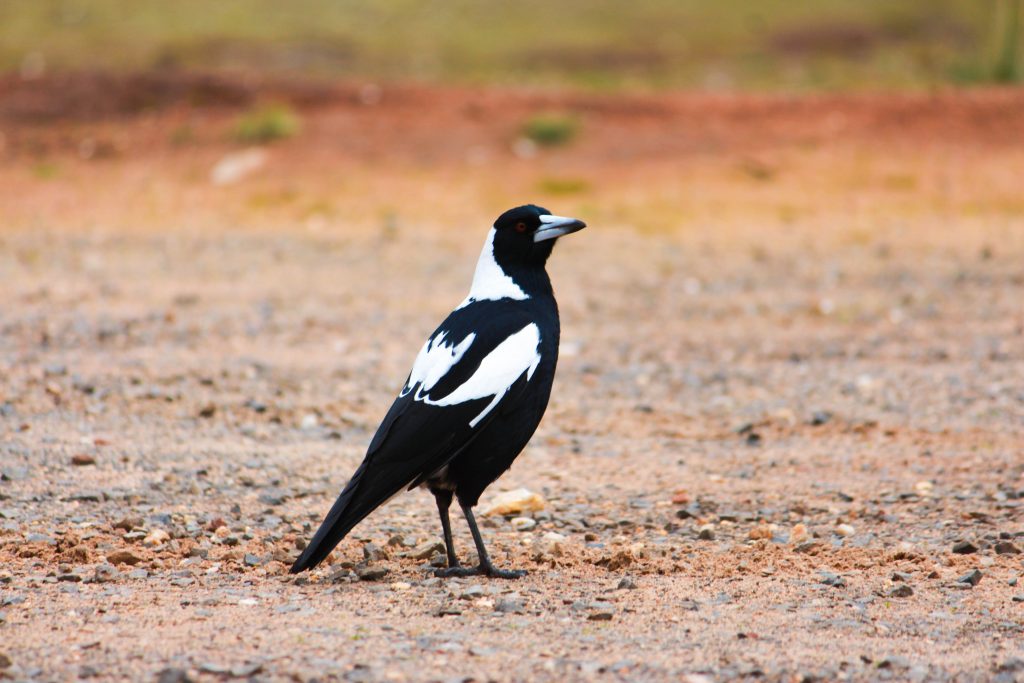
(526, 234)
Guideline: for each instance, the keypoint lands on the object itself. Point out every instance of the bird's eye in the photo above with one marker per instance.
(520, 227)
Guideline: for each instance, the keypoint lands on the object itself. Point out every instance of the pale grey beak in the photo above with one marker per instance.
(556, 226)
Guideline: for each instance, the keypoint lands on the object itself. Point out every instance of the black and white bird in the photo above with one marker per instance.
(476, 393)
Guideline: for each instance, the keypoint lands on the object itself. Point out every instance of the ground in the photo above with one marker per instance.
(791, 383)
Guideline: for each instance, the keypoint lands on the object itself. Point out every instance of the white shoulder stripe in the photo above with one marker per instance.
(434, 361)
(489, 280)
(497, 372)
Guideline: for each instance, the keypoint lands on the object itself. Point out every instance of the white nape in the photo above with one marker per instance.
(489, 280)
(434, 361)
(497, 373)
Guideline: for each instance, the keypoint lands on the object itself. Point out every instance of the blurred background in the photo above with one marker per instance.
(603, 44)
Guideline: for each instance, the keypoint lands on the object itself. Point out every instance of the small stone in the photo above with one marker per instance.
(104, 573)
(972, 577)
(1018, 598)
(374, 553)
(552, 544)
(251, 560)
(156, 537)
(820, 417)
(626, 583)
(523, 523)
(209, 410)
(245, 670)
(69, 577)
(706, 533)
(1006, 548)
(5, 661)
(901, 591)
(123, 557)
(834, 580)
(845, 530)
(759, 532)
(369, 573)
(425, 550)
(217, 523)
(513, 502)
(82, 459)
(129, 523)
(799, 534)
(509, 606)
(448, 610)
(472, 592)
(173, 676)
(600, 615)
(964, 548)
(1012, 664)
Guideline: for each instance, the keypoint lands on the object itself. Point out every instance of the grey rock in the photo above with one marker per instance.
(171, 675)
(972, 577)
(901, 591)
(370, 573)
(1006, 548)
(964, 548)
(510, 606)
(626, 583)
(834, 580)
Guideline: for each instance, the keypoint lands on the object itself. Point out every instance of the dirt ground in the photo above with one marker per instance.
(785, 433)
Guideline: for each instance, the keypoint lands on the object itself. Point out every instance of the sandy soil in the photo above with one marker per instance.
(792, 379)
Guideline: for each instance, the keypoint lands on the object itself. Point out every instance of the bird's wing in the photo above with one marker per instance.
(481, 356)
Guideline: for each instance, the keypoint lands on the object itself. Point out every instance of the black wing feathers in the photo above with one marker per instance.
(417, 439)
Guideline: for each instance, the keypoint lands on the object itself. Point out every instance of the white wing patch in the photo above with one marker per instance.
(489, 280)
(434, 361)
(497, 373)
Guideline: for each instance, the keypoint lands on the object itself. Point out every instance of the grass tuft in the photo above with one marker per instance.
(266, 124)
(551, 130)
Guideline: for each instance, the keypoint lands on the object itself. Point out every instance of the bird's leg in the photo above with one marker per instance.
(485, 567)
(444, 501)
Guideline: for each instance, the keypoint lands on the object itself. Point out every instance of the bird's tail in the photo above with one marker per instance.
(346, 512)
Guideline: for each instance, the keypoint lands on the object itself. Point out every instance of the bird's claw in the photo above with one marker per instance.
(492, 572)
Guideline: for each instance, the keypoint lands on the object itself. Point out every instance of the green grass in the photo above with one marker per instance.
(266, 124)
(602, 44)
(551, 130)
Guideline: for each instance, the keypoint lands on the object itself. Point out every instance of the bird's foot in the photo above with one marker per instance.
(481, 570)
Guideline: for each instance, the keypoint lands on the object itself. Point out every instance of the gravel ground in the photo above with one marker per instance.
(780, 447)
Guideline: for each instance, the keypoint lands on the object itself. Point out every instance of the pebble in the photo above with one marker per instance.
(901, 591)
(370, 573)
(156, 537)
(82, 459)
(173, 676)
(523, 523)
(972, 577)
(425, 550)
(626, 583)
(706, 533)
(123, 557)
(104, 573)
(1006, 548)
(845, 530)
(513, 502)
(472, 592)
(799, 534)
(509, 605)
(834, 580)
(964, 548)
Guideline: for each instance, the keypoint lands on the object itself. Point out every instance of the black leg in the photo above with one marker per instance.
(444, 501)
(485, 567)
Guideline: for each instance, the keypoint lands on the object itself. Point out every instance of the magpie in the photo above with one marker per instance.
(476, 393)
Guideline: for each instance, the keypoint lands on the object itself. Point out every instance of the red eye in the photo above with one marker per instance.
(520, 227)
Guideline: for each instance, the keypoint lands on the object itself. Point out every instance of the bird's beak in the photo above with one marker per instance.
(556, 226)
